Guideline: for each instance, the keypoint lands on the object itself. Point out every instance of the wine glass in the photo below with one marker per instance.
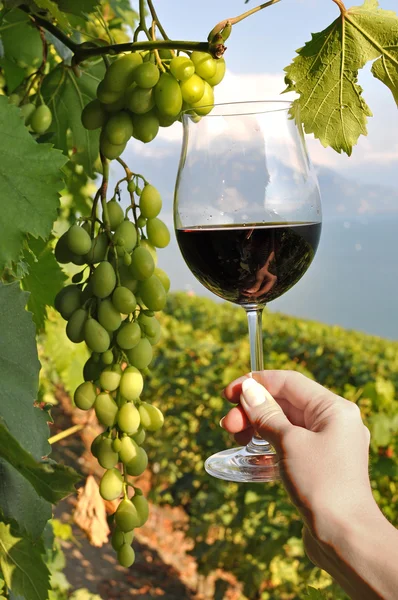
(247, 217)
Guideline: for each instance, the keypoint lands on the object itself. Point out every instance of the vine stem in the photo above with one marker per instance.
(340, 5)
(133, 206)
(220, 26)
(64, 434)
(103, 190)
(156, 52)
(155, 18)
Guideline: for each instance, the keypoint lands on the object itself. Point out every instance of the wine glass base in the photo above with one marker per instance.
(239, 464)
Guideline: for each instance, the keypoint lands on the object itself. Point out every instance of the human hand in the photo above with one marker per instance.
(321, 442)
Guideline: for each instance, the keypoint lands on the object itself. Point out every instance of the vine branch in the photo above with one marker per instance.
(220, 26)
(155, 18)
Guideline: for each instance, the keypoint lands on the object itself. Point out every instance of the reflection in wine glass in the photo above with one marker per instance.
(247, 216)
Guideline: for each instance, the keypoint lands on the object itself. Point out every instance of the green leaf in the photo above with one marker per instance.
(67, 95)
(30, 179)
(44, 280)
(314, 594)
(124, 10)
(21, 40)
(14, 75)
(19, 373)
(22, 565)
(381, 430)
(325, 72)
(77, 7)
(50, 480)
(55, 12)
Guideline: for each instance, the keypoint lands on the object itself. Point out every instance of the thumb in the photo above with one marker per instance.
(265, 414)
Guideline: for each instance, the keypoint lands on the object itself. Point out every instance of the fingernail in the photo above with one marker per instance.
(222, 422)
(253, 393)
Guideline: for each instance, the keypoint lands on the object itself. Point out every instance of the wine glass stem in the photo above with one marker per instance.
(254, 313)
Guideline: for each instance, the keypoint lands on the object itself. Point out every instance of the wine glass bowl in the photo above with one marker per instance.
(247, 217)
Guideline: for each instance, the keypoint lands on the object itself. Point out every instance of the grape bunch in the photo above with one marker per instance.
(142, 92)
(111, 305)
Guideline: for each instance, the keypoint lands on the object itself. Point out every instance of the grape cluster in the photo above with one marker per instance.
(111, 306)
(141, 92)
(37, 118)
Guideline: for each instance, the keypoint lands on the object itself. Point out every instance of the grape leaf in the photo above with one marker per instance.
(124, 10)
(325, 72)
(44, 279)
(314, 594)
(54, 11)
(22, 565)
(67, 95)
(50, 480)
(77, 7)
(30, 179)
(19, 373)
(14, 75)
(21, 40)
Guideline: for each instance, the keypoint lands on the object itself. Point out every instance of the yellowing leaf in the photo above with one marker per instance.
(324, 74)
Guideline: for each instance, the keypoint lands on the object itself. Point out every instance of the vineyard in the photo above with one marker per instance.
(89, 331)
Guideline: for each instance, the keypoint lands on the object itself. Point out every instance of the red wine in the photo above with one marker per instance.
(250, 264)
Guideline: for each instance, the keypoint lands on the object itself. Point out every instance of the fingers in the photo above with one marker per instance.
(235, 421)
(244, 437)
(291, 386)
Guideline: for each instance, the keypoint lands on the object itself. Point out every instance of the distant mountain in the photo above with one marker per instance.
(343, 197)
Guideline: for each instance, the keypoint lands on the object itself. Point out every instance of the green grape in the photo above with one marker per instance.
(126, 279)
(124, 300)
(110, 151)
(158, 233)
(115, 214)
(126, 556)
(128, 336)
(107, 357)
(164, 278)
(137, 465)
(103, 280)
(128, 418)
(106, 456)
(79, 241)
(127, 259)
(91, 370)
(151, 417)
(141, 355)
(62, 253)
(96, 337)
(41, 119)
(107, 96)
(68, 300)
(205, 64)
(119, 128)
(128, 449)
(117, 444)
(111, 484)
(97, 252)
(78, 260)
(152, 293)
(205, 105)
(131, 187)
(141, 504)
(131, 384)
(126, 516)
(145, 127)
(182, 68)
(75, 326)
(149, 325)
(108, 316)
(126, 232)
(219, 74)
(120, 74)
(96, 357)
(110, 378)
(168, 96)
(95, 444)
(87, 226)
(106, 409)
(140, 100)
(26, 111)
(165, 53)
(150, 202)
(115, 106)
(146, 75)
(193, 89)
(139, 437)
(93, 115)
(14, 99)
(142, 264)
(85, 395)
(119, 538)
(141, 222)
(146, 244)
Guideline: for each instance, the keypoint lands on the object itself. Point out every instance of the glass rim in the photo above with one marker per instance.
(250, 103)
